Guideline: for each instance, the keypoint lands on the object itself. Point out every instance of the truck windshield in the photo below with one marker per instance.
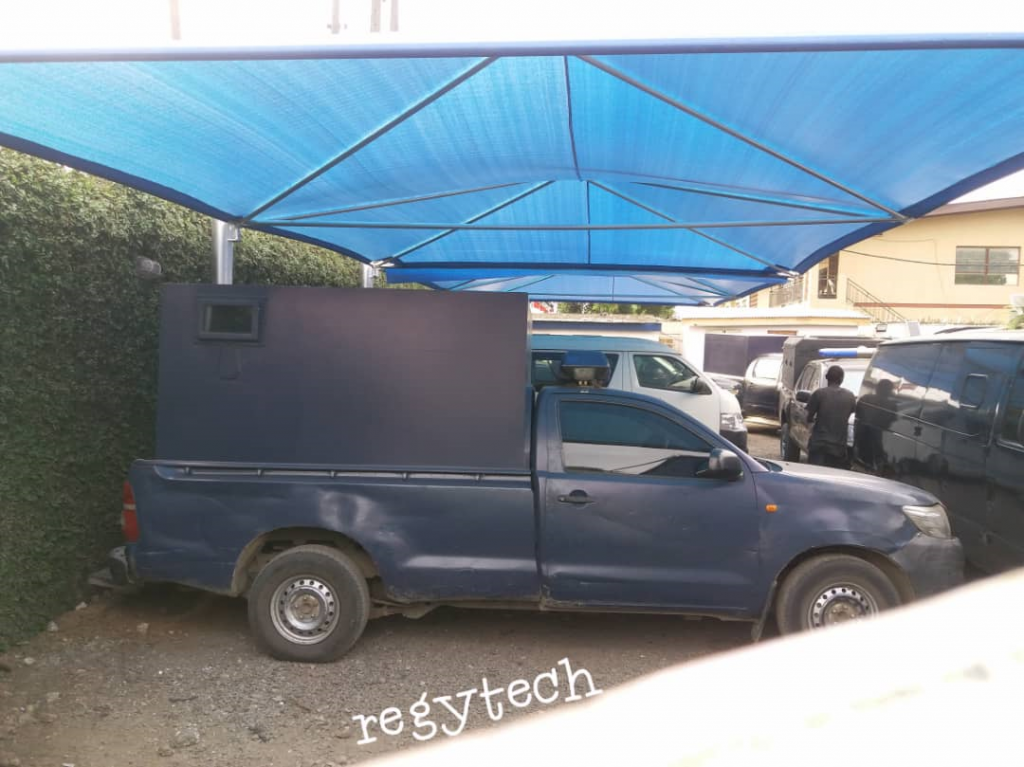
(852, 380)
(767, 367)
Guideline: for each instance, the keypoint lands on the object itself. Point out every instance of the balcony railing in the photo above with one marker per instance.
(790, 293)
(870, 304)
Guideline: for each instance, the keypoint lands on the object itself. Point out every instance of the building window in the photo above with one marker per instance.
(987, 266)
(752, 300)
(828, 276)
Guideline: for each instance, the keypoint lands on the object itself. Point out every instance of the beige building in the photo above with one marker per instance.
(959, 264)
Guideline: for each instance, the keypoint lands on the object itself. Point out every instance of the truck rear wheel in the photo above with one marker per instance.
(832, 589)
(309, 604)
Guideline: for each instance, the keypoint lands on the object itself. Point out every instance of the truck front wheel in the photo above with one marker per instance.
(309, 604)
(831, 589)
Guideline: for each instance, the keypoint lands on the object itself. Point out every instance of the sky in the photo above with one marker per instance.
(49, 24)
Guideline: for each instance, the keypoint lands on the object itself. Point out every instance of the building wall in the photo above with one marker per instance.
(919, 283)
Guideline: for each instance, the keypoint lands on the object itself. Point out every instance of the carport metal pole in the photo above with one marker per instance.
(224, 238)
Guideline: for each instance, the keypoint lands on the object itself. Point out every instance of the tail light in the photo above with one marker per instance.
(129, 519)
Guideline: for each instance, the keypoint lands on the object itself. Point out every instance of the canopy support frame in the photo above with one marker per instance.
(471, 225)
(225, 236)
(467, 224)
(699, 233)
(424, 102)
(400, 201)
(718, 125)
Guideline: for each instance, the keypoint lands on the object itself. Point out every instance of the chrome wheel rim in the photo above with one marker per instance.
(840, 603)
(304, 610)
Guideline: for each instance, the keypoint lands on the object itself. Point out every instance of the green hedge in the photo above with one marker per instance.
(78, 341)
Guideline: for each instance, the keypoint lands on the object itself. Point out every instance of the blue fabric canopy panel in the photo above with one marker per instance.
(660, 172)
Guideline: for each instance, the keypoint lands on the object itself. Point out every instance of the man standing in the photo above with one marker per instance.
(829, 408)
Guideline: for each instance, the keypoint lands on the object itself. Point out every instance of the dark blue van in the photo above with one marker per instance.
(946, 413)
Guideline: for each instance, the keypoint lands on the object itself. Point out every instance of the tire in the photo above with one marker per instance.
(831, 589)
(788, 450)
(317, 583)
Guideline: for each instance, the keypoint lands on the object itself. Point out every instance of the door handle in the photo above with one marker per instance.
(576, 496)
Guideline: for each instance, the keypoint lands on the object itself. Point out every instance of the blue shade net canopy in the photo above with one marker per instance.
(647, 172)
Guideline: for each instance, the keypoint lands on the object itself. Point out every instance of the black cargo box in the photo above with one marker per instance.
(798, 351)
(343, 377)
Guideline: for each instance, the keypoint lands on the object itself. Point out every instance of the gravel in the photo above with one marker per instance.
(194, 684)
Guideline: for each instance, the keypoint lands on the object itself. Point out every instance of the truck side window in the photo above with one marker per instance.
(808, 379)
(659, 371)
(1012, 429)
(939, 405)
(620, 439)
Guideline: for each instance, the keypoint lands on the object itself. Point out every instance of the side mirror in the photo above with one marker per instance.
(700, 386)
(803, 396)
(722, 464)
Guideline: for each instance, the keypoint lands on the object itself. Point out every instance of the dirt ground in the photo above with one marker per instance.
(171, 677)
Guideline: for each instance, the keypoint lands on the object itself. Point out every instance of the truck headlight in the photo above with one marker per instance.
(930, 520)
(731, 422)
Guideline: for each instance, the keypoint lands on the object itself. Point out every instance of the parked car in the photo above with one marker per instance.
(304, 502)
(650, 368)
(797, 352)
(759, 397)
(795, 433)
(946, 414)
(729, 383)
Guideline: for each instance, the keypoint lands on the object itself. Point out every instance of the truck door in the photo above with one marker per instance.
(668, 378)
(761, 388)
(799, 429)
(1006, 481)
(955, 447)
(625, 520)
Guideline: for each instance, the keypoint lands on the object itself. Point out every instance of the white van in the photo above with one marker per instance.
(648, 368)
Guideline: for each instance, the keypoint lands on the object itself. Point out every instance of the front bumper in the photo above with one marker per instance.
(738, 438)
(932, 564)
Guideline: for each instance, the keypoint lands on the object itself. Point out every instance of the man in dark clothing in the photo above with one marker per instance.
(829, 409)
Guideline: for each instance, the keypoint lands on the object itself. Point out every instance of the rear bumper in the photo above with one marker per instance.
(932, 564)
(738, 438)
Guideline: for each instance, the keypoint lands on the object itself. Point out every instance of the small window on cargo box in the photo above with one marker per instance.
(229, 320)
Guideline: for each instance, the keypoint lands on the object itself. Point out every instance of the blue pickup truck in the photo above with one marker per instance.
(622, 503)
